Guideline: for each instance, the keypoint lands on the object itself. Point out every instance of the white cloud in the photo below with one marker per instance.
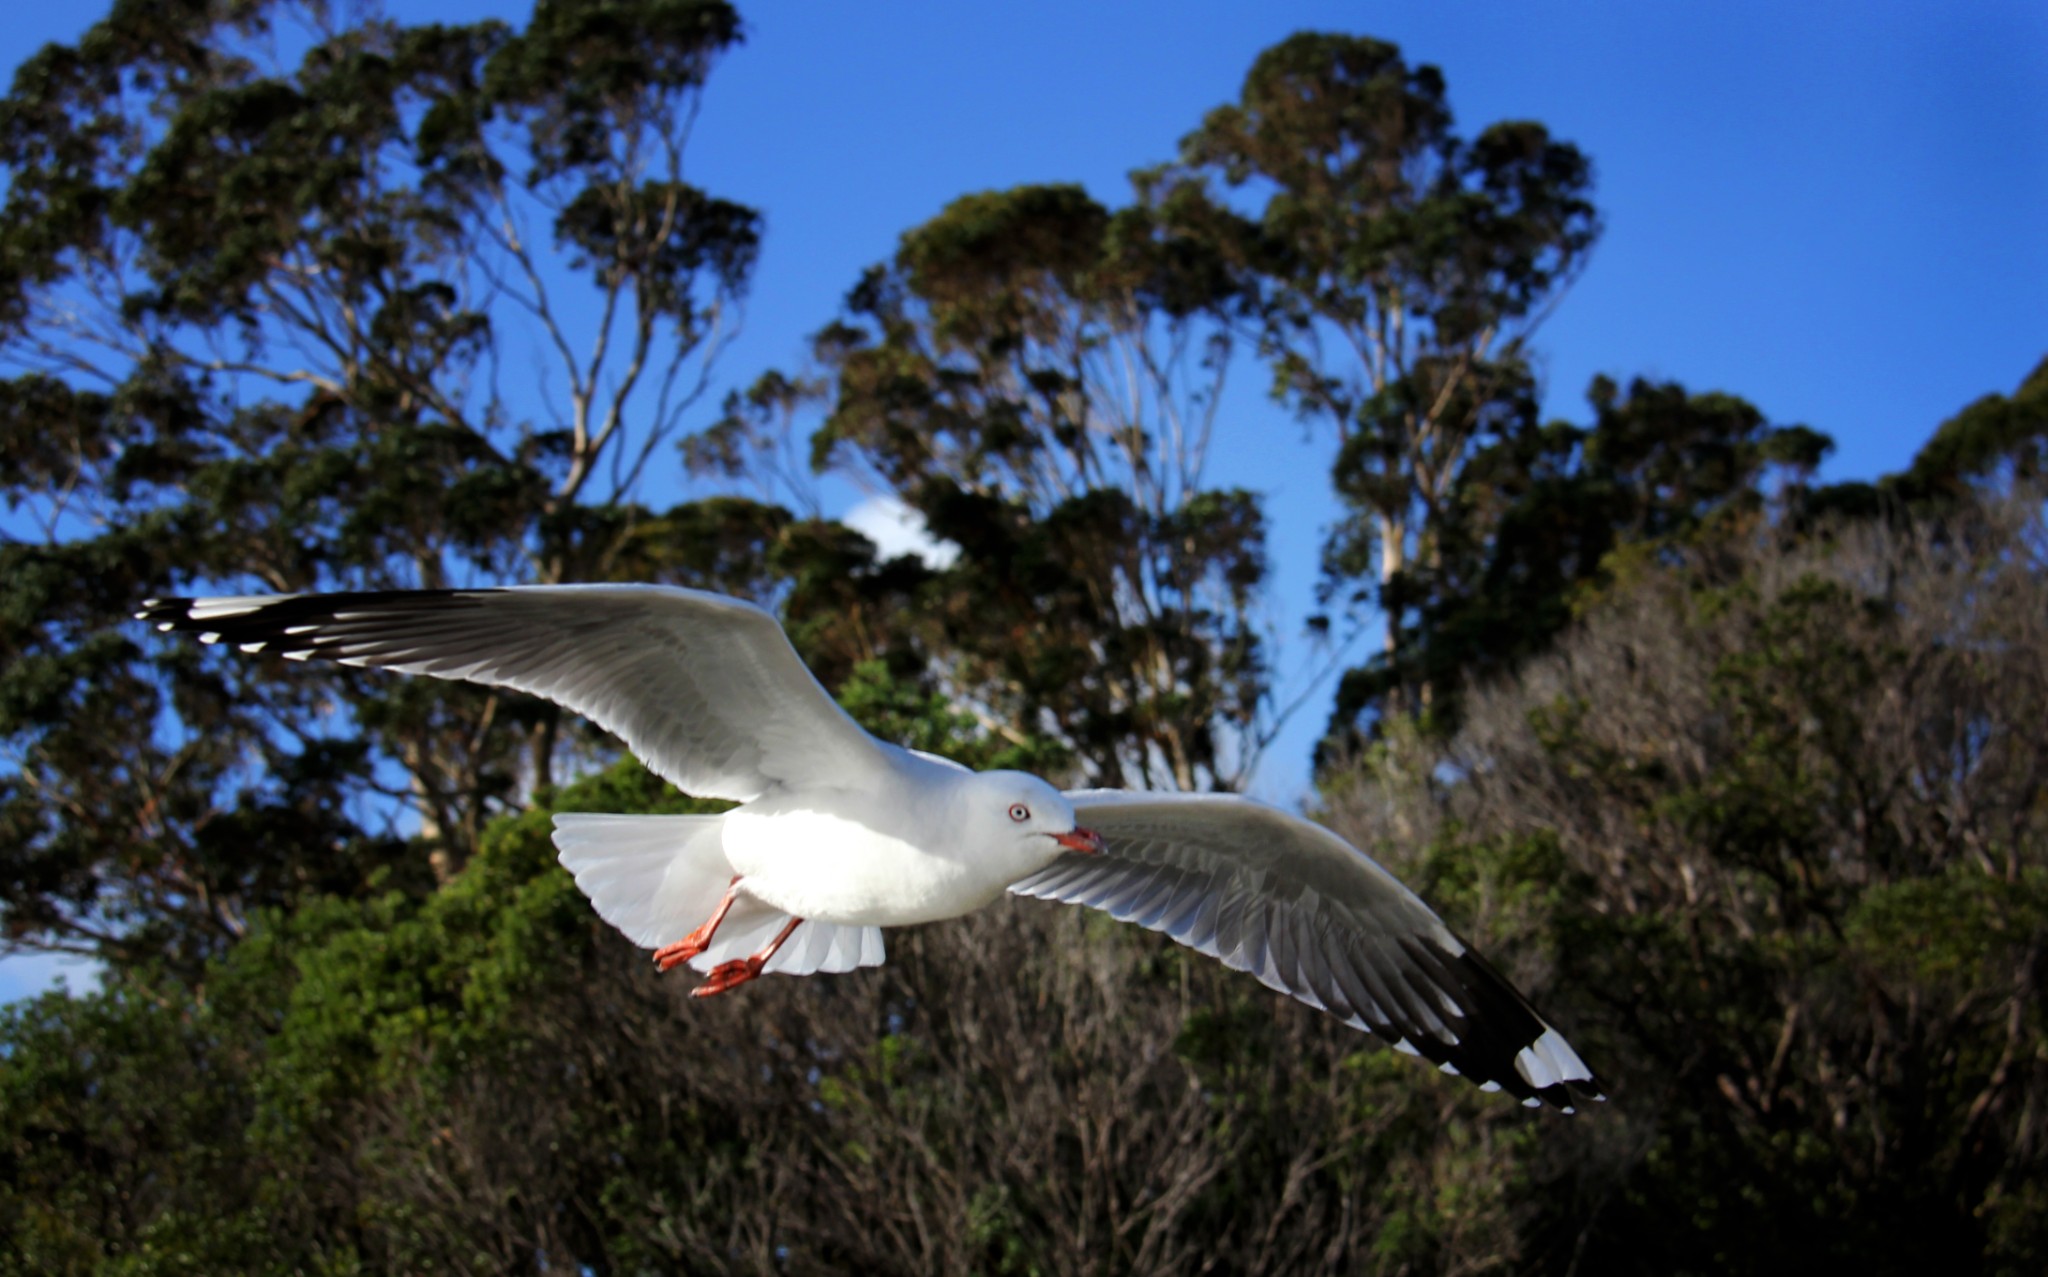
(896, 529)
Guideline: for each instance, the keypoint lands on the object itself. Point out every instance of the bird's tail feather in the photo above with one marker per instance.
(656, 878)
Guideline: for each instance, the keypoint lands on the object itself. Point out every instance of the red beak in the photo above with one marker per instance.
(1085, 841)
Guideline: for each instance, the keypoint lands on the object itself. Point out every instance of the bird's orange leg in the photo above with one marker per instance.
(697, 941)
(740, 970)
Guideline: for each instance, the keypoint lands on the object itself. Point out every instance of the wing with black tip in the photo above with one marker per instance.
(705, 689)
(1315, 918)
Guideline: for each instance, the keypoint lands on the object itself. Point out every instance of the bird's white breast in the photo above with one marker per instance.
(858, 859)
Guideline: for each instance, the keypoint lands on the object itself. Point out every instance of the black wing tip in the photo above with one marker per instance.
(200, 612)
(1481, 1069)
(248, 622)
(1502, 1043)
(295, 626)
(1565, 1097)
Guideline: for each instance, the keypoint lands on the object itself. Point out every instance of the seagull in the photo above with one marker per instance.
(837, 834)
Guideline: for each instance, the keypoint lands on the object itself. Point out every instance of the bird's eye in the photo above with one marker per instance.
(1019, 812)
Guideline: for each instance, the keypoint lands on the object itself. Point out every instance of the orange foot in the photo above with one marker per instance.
(740, 970)
(671, 955)
(727, 975)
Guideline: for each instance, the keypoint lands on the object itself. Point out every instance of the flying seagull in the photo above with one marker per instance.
(838, 834)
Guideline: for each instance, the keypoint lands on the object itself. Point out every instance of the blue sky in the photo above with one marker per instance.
(1838, 211)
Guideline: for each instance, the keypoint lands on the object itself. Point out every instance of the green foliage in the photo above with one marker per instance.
(1400, 269)
(1997, 439)
(922, 718)
(1036, 375)
(287, 1113)
(121, 1128)
(1961, 930)
(257, 267)
(1541, 517)
(1769, 817)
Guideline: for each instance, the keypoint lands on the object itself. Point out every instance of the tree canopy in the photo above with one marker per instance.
(254, 293)
(1404, 269)
(1038, 377)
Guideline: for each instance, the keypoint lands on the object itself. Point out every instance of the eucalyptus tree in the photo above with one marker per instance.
(1039, 378)
(286, 302)
(1528, 526)
(1403, 267)
(1994, 442)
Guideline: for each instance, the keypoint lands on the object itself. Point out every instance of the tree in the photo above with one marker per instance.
(263, 276)
(1774, 802)
(1038, 376)
(1528, 526)
(1404, 268)
(1993, 443)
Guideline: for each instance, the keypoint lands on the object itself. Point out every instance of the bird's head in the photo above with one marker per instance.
(1031, 815)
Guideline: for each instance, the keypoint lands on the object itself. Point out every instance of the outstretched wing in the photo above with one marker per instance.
(1315, 918)
(705, 689)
